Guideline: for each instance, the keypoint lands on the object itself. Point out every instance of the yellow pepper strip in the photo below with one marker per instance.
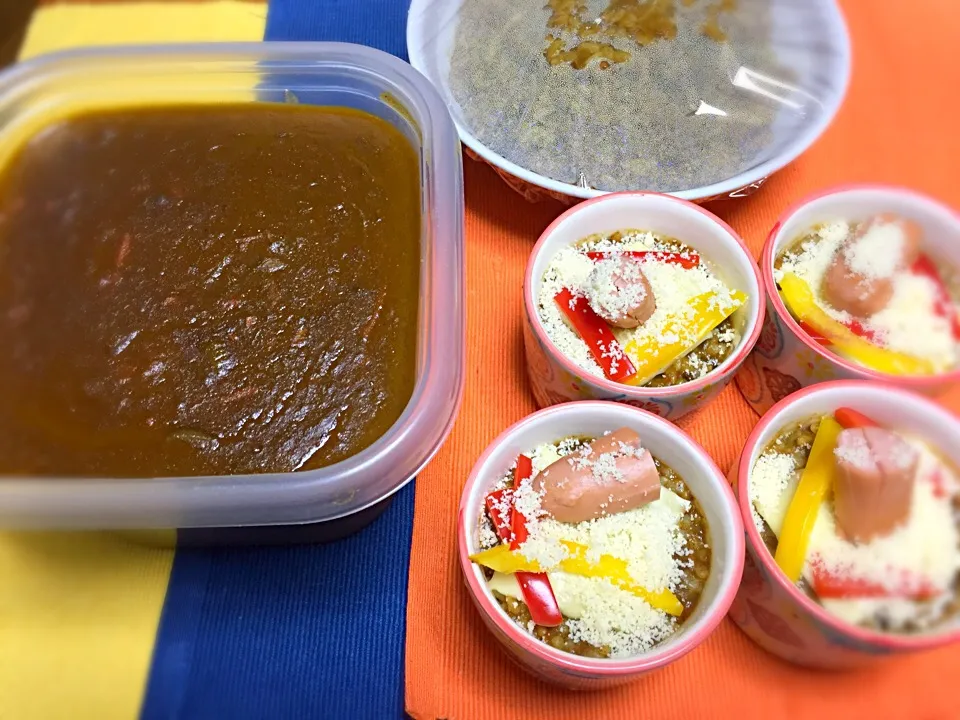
(815, 482)
(615, 570)
(802, 304)
(652, 357)
(501, 559)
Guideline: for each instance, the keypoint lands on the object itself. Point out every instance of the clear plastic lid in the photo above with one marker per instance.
(691, 97)
(40, 91)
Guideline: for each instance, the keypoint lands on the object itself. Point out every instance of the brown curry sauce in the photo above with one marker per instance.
(206, 290)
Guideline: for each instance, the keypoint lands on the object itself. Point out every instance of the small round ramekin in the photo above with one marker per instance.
(770, 609)
(556, 379)
(785, 358)
(666, 442)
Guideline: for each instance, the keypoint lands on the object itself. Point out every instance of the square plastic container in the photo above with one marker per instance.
(333, 500)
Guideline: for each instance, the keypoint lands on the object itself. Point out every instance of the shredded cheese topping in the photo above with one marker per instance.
(772, 483)
(878, 253)
(604, 287)
(927, 546)
(648, 539)
(856, 451)
(673, 288)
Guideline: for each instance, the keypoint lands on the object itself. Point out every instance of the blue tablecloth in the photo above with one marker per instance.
(287, 633)
(294, 632)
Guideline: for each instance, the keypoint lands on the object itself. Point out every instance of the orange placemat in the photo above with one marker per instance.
(898, 125)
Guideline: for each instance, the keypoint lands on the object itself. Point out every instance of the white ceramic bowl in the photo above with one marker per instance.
(666, 442)
(769, 608)
(555, 379)
(785, 358)
(809, 37)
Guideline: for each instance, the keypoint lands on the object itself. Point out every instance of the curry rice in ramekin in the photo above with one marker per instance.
(851, 604)
(701, 480)
(701, 276)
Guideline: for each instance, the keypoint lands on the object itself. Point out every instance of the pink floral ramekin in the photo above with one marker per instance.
(770, 609)
(665, 441)
(555, 379)
(785, 358)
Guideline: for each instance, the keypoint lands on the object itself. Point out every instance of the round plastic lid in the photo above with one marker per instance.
(605, 95)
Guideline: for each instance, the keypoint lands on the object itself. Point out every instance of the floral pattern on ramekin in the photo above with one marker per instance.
(770, 342)
(552, 385)
(748, 381)
(663, 408)
(781, 364)
(540, 668)
(769, 617)
(701, 398)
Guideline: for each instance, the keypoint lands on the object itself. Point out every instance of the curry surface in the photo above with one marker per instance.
(206, 290)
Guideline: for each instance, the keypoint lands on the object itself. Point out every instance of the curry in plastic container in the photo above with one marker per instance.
(206, 290)
(864, 519)
(594, 546)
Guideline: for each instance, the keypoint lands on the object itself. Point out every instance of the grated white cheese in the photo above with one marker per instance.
(772, 483)
(673, 287)
(609, 616)
(909, 323)
(545, 455)
(487, 536)
(604, 292)
(877, 253)
(927, 545)
(856, 451)
(630, 240)
(569, 268)
(811, 260)
(834, 232)
(599, 613)
(647, 538)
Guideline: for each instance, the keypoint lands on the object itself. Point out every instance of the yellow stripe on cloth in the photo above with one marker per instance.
(70, 25)
(78, 618)
(79, 611)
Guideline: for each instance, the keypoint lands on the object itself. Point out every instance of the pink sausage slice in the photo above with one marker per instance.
(876, 470)
(620, 293)
(851, 292)
(610, 475)
(884, 244)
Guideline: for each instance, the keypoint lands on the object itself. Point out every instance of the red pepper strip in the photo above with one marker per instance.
(687, 260)
(597, 335)
(814, 335)
(535, 587)
(854, 326)
(518, 522)
(850, 418)
(859, 330)
(540, 600)
(499, 506)
(943, 304)
(831, 586)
